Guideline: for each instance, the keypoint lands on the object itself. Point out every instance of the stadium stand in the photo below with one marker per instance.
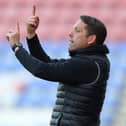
(60, 14)
(56, 19)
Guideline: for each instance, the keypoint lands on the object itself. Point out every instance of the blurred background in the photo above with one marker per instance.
(28, 101)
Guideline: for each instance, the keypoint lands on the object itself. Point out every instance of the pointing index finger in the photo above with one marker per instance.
(34, 10)
(18, 28)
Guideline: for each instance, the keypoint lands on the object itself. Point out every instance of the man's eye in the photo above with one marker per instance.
(78, 31)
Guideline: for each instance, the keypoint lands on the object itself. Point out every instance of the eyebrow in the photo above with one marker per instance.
(75, 27)
(78, 28)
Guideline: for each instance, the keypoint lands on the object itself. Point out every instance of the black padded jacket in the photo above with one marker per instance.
(82, 81)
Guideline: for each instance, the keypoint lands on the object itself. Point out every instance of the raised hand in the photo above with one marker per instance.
(13, 36)
(32, 23)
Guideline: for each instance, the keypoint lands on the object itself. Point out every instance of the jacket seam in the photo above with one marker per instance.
(98, 75)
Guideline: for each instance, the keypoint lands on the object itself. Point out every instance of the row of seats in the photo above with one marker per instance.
(55, 32)
(62, 3)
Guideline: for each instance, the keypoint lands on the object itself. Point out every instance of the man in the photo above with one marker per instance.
(82, 77)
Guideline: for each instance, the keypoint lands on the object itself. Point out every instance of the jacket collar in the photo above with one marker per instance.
(91, 50)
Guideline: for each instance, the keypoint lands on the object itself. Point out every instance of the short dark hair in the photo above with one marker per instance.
(95, 26)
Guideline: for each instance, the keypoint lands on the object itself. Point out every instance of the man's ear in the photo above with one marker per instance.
(91, 39)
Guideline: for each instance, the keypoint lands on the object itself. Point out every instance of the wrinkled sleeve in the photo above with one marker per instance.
(36, 49)
(70, 71)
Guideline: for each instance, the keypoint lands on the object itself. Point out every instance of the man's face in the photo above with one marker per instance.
(78, 37)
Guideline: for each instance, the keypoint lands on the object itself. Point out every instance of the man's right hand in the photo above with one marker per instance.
(32, 24)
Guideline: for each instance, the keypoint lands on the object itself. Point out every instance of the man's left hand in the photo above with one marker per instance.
(13, 36)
